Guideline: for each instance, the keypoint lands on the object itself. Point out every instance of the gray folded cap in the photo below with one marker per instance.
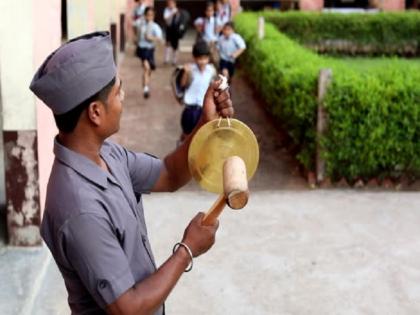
(74, 72)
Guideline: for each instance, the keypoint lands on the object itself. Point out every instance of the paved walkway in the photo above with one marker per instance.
(290, 251)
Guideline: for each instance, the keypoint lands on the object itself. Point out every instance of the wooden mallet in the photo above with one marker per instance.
(235, 189)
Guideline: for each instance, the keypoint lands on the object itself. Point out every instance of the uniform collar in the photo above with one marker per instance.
(82, 164)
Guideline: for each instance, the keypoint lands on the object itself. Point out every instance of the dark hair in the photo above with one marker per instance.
(209, 4)
(148, 9)
(67, 122)
(229, 24)
(201, 49)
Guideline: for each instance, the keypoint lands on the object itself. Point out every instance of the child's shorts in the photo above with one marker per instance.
(190, 117)
(147, 54)
(230, 66)
(172, 38)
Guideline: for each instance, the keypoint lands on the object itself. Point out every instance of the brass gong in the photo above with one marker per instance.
(213, 143)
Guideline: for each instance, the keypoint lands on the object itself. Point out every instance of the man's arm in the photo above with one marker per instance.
(175, 172)
(145, 297)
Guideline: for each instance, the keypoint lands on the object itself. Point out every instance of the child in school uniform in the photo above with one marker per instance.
(230, 45)
(196, 79)
(149, 33)
(138, 11)
(208, 28)
(172, 36)
(223, 13)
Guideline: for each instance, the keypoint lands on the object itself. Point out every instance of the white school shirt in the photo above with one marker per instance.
(200, 81)
(151, 28)
(224, 15)
(209, 32)
(222, 19)
(227, 46)
(167, 13)
(139, 11)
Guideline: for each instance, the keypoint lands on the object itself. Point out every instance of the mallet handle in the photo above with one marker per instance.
(216, 209)
(235, 189)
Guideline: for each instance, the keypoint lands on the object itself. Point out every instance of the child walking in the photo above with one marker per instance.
(149, 33)
(196, 78)
(208, 29)
(230, 45)
(172, 35)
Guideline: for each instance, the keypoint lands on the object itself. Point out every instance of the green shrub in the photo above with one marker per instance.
(356, 33)
(374, 116)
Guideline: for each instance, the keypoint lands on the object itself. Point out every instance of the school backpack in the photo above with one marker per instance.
(180, 23)
(176, 84)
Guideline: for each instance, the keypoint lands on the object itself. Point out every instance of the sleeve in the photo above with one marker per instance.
(158, 31)
(218, 43)
(198, 21)
(144, 171)
(240, 43)
(93, 250)
(166, 13)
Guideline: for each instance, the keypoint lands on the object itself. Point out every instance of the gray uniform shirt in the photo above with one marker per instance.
(94, 224)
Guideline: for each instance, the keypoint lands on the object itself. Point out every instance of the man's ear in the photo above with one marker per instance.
(95, 112)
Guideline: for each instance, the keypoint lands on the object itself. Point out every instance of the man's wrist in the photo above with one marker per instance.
(183, 252)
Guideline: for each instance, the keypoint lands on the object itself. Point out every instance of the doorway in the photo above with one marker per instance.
(64, 20)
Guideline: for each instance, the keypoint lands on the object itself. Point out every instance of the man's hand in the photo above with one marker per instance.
(176, 172)
(199, 238)
(216, 103)
(147, 295)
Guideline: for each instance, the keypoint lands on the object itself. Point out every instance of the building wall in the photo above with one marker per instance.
(392, 5)
(80, 18)
(311, 5)
(16, 64)
(47, 38)
(84, 16)
(28, 126)
(385, 5)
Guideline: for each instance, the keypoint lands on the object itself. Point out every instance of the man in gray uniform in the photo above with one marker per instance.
(93, 221)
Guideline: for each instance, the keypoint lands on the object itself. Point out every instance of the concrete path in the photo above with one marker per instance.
(302, 253)
(291, 251)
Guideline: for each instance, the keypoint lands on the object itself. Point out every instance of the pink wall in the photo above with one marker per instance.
(47, 37)
(311, 5)
(393, 5)
(317, 5)
(235, 4)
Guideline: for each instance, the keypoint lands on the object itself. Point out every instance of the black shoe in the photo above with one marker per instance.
(146, 94)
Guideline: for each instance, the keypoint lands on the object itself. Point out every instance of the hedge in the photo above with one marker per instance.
(374, 117)
(357, 33)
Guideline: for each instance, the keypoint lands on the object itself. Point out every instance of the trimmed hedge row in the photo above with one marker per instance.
(357, 33)
(374, 117)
